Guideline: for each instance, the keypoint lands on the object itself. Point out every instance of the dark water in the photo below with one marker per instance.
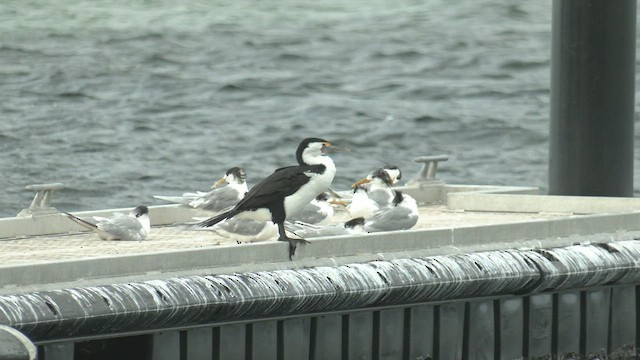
(122, 100)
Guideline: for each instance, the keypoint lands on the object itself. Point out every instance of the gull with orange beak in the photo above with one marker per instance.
(379, 189)
(218, 199)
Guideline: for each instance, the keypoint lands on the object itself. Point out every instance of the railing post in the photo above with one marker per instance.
(15, 346)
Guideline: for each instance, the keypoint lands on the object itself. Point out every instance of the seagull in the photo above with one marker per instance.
(379, 187)
(244, 230)
(134, 226)
(361, 205)
(401, 216)
(287, 190)
(318, 211)
(218, 199)
(394, 173)
(351, 227)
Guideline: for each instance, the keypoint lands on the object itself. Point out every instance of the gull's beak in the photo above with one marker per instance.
(338, 202)
(219, 182)
(360, 182)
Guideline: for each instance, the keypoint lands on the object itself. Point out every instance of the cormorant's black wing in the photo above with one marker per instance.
(283, 182)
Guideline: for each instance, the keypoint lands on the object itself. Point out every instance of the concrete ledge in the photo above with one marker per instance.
(335, 250)
(500, 202)
(438, 193)
(190, 300)
(57, 223)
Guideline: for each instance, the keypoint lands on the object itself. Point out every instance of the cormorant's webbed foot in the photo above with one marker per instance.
(293, 245)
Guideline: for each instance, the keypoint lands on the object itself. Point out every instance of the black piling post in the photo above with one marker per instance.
(592, 97)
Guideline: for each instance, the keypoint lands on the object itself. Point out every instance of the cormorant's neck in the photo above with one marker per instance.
(306, 159)
(324, 164)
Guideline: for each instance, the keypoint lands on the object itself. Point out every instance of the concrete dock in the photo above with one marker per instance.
(488, 272)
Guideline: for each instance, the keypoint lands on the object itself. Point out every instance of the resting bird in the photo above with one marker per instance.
(379, 187)
(361, 205)
(402, 215)
(244, 230)
(287, 190)
(132, 227)
(394, 173)
(218, 199)
(319, 211)
(351, 227)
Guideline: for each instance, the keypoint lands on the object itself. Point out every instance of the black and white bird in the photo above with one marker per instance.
(379, 187)
(361, 205)
(218, 199)
(287, 190)
(134, 226)
(402, 215)
(351, 227)
(394, 173)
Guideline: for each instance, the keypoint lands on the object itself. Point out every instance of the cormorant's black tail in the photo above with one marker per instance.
(216, 219)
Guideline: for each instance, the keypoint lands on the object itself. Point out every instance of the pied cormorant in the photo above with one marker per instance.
(287, 190)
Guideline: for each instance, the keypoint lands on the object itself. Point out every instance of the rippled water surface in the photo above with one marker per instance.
(122, 100)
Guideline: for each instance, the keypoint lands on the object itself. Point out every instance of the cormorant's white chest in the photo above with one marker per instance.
(318, 183)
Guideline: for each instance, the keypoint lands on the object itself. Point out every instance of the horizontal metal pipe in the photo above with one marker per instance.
(193, 300)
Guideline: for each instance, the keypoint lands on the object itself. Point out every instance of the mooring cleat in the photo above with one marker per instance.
(427, 174)
(429, 166)
(41, 204)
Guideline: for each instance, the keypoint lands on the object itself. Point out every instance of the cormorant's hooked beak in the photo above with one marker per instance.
(219, 182)
(360, 182)
(328, 148)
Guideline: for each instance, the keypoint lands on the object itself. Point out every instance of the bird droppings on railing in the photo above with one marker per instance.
(585, 266)
(190, 300)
